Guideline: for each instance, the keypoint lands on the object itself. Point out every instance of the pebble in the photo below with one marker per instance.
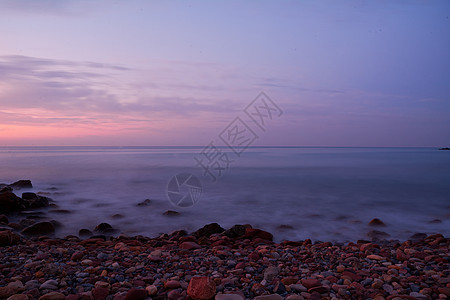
(244, 266)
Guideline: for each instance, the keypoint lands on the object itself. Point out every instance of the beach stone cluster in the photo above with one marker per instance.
(213, 263)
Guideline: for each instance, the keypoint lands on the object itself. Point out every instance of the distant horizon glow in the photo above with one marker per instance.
(140, 73)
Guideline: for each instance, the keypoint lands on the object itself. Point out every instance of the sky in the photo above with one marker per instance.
(147, 73)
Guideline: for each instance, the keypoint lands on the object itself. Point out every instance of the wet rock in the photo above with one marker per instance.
(85, 233)
(252, 233)
(376, 222)
(201, 288)
(5, 188)
(8, 238)
(171, 213)
(208, 230)
(377, 235)
(21, 184)
(103, 228)
(41, 228)
(35, 201)
(146, 202)
(235, 231)
(9, 202)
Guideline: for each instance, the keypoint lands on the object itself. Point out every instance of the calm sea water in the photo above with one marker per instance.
(296, 193)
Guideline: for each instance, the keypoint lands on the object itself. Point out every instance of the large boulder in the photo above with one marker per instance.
(41, 228)
(9, 202)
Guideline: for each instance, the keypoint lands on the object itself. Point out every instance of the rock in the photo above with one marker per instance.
(418, 236)
(418, 295)
(208, 230)
(8, 238)
(269, 297)
(171, 213)
(252, 233)
(5, 188)
(41, 228)
(9, 202)
(6, 292)
(18, 297)
(298, 288)
(136, 294)
(21, 184)
(310, 282)
(375, 257)
(190, 246)
(340, 268)
(151, 290)
(172, 284)
(35, 201)
(295, 297)
(103, 228)
(77, 256)
(376, 222)
(100, 293)
(270, 273)
(174, 295)
(53, 296)
(201, 288)
(49, 285)
(146, 202)
(85, 233)
(235, 231)
(16, 286)
(228, 297)
(4, 219)
(377, 235)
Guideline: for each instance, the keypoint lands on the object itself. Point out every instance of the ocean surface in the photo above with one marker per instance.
(327, 194)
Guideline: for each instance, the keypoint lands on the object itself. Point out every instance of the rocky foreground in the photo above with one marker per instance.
(239, 263)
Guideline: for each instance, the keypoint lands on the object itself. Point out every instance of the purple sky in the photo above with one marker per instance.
(353, 73)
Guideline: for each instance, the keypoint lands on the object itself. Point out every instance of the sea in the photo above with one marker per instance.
(296, 193)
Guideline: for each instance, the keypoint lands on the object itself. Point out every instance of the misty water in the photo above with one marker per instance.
(327, 194)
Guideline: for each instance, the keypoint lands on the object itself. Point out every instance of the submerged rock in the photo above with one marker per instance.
(171, 213)
(376, 222)
(41, 228)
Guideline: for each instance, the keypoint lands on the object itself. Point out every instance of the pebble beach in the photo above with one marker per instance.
(238, 263)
